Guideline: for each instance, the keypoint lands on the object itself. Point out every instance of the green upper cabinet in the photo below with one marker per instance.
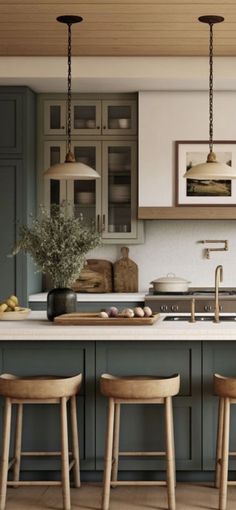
(11, 107)
(17, 187)
(104, 136)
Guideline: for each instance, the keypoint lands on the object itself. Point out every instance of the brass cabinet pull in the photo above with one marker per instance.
(99, 223)
(103, 222)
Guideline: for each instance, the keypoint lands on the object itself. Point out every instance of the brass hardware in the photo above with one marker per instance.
(192, 319)
(208, 250)
(99, 223)
(218, 279)
(103, 222)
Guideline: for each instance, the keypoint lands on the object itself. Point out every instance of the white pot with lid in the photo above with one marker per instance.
(170, 283)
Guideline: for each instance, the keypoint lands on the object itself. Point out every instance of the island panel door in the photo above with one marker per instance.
(41, 430)
(142, 426)
(218, 357)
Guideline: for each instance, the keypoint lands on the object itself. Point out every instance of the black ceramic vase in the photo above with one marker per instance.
(59, 301)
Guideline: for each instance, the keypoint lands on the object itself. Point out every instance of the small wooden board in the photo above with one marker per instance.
(125, 273)
(93, 319)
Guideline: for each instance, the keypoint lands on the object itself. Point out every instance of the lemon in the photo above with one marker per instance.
(3, 307)
(14, 299)
(10, 303)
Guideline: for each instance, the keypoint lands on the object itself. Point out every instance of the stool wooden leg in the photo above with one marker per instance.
(18, 441)
(173, 440)
(169, 453)
(108, 455)
(219, 442)
(65, 456)
(225, 456)
(75, 441)
(5, 452)
(115, 454)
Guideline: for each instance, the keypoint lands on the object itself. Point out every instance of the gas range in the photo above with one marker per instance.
(181, 302)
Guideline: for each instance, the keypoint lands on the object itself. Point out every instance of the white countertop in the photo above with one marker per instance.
(89, 297)
(37, 327)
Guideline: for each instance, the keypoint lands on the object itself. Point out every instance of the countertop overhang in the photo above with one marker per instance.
(37, 327)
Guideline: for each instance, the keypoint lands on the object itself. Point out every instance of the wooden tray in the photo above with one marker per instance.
(93, 319)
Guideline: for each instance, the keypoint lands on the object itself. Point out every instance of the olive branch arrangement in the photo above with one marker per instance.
(58, 244)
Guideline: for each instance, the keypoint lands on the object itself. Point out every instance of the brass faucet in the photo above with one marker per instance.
(218, 279)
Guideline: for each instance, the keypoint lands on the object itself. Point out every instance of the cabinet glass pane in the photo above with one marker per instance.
(54, 185)
(119, 189)
(84, 117)
(55, 116)
(85, 191)
(119, 117)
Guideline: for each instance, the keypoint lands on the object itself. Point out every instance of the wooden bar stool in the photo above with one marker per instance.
(137, 390)
(39, 390)
(225, 388)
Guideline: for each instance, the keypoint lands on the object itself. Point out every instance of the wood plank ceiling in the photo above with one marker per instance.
(116, 27)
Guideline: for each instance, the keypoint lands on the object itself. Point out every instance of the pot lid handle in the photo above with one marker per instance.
(169, 275)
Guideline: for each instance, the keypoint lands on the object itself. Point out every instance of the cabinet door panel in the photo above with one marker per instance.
(11, 199)
(142, 425)
(119, 117)
(11, 124)
(218, 357)
(55, 117)
(119, 180)
(86, 117)
(41, 422)
(85, 195)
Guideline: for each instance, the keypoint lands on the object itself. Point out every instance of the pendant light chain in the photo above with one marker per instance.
(69, 92)
(211, 88)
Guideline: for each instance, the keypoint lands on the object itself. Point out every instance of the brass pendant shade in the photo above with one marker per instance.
(71, 169)
(211, 169)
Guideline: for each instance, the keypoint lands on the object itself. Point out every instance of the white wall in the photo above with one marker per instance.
(165, 117)
(173, 245)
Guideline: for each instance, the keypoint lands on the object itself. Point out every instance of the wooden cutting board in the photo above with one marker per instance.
(96, 276)
(93, 319)
(125, 273)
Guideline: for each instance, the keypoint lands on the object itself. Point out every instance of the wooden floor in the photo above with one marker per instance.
(189, 497)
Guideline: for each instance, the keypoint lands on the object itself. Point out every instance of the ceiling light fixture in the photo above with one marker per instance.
(211, 169)
(70, 169)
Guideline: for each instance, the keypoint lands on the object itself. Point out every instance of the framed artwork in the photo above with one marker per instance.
(205, 192)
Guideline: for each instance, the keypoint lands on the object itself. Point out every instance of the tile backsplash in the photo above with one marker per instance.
(173, 246)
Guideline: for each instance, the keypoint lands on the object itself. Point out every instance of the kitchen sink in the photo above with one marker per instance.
(199, 318)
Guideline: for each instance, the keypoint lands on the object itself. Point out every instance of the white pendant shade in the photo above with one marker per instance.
(72, 171)
(211, 171)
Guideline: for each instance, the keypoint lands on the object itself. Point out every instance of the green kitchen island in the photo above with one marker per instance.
(196, 351)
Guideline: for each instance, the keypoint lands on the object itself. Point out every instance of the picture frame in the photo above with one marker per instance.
(190, 192)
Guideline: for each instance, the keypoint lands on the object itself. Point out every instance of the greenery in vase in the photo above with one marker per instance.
(58, 244)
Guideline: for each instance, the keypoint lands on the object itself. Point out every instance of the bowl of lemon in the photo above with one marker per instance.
(10, 310)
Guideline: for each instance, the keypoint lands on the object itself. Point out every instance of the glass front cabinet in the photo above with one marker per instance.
(111, 201)
(92, 117)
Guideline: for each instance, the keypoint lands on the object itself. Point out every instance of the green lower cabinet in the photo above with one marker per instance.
(218, 357)
(142, 426)
(41, 424)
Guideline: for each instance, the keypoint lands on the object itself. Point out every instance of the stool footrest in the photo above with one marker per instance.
(142, 454)
(42, 454)
(36, 482)
(139, 482)
(231, 483)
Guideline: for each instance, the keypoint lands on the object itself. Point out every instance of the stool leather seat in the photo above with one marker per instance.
(139, 387)
(39, 387)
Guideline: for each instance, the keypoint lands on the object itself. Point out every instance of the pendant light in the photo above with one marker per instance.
(211, 169)
(70, 169)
